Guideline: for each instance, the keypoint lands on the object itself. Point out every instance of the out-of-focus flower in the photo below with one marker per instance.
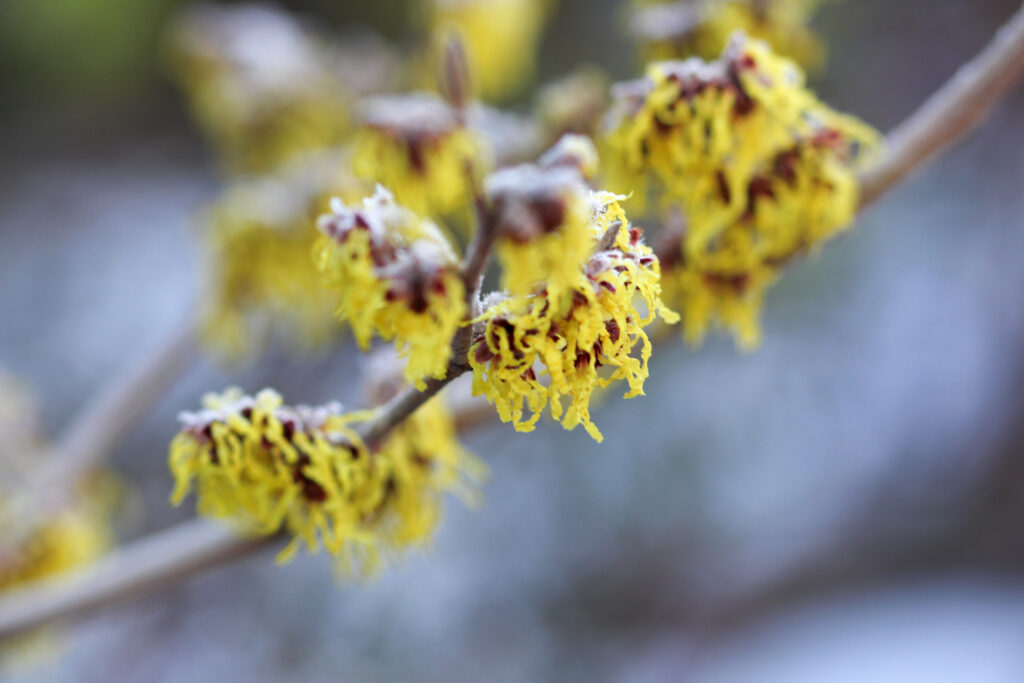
(761, 170)
(544, 219)
(72, 536)
(266, 89)
(685, 28)
(582, 338)
(805, 196)
(395, 275)
(574, 103)
(259, 237)
(419, 147)
(500, 38)
(305, 470)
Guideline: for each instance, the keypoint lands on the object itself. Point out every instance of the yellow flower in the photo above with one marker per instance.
(762, 171)
(417, 146)
(305, 470)
(805, 196)
(544, 218)
(582, 338)
(262, 88)
(259, 235)
(395, 276)
(72, 536)
(673, 30)
(500, 38)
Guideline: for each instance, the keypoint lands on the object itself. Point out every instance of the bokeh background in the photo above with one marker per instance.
(845, 504)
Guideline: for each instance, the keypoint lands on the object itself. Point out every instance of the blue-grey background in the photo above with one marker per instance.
(845, 504)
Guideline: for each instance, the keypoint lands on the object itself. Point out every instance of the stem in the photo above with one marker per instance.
(170, 557)
(951, 112)
(398, 409)
(138, 569)
(101, 424)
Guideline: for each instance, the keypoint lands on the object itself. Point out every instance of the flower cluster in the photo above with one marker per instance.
(305, 470)
(395, 275)
(543, 217)
(682, 28)
(263, 88)
(761, 170)
(259, 236)
(500, 38)
(418, 146)
(582, 336)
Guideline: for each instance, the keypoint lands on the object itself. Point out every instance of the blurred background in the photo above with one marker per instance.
(844, 504)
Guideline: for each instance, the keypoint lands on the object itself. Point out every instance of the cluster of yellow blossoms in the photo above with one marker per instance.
(417, 145)
(305, 470)
(755, 167)
(395, 275)
(500, 38)
(259, 237)
(677, 29)
(760, 169)
(262, 87)
(579, 325)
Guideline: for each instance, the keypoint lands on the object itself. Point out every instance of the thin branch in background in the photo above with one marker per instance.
(94, 432)
(951, 112)
(170, 557)
(136, 570)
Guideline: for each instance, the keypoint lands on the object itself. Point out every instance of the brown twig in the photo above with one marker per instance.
(951, 112)
(173, 556)
(137, 569)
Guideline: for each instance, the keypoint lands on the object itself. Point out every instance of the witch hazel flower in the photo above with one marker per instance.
(554, 348)
(396, 277)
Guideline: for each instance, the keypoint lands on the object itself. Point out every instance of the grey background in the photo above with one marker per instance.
(842, 505)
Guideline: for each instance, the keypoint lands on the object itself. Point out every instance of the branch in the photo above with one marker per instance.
(97, 428)
(398, 409)
(170, 557)
(951, 112)
(138, 569)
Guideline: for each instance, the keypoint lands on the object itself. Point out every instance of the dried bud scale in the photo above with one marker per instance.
(500, 39)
